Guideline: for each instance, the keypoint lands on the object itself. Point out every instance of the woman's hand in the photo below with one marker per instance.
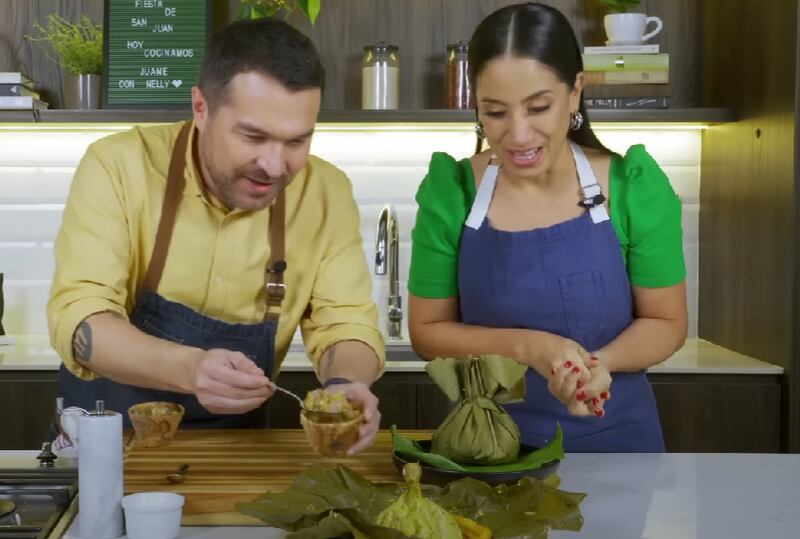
(589, 397)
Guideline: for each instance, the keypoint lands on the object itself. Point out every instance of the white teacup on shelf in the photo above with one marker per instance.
(629, 28)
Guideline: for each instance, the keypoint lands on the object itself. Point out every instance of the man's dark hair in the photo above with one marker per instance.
(268, 46)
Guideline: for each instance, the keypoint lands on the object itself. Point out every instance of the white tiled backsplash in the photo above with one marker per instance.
(385, 164)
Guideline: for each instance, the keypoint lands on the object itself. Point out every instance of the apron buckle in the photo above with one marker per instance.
(276, 292)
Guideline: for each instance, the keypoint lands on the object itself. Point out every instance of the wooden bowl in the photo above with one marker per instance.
(155, 423)
(331, 439)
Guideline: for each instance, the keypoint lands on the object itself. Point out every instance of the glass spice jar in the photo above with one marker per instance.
(380, 77)
(457, 90)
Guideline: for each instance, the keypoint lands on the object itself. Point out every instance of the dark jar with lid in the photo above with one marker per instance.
(457, 90)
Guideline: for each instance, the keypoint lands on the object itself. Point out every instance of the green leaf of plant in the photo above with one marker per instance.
(410, 448)
(620, 5)
(311, 8)
(530, 461)
(332, 502)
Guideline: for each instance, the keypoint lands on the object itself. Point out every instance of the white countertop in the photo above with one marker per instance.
(654, 496)
(33, 352)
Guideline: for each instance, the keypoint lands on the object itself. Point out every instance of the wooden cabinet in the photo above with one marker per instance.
(719, 412)
(699, 413)
(27, 404)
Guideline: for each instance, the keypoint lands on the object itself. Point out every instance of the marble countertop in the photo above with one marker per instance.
(33, 352)
(657, 496)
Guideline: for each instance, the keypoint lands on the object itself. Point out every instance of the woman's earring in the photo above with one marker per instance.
(479, 130)
(575, 120)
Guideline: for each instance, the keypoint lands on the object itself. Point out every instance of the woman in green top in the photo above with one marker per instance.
(549, 248)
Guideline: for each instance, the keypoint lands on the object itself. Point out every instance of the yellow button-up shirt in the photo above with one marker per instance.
(217, 258)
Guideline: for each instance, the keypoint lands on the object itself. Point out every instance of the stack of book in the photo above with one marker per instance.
(626, 76)
(16, 93)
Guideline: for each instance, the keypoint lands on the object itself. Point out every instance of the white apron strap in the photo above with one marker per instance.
(589, 184)
(483, 198)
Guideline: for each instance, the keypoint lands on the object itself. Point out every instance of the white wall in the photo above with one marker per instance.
(385, 164)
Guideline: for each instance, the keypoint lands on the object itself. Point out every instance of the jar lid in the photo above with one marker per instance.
(461, 46)
(381, 46)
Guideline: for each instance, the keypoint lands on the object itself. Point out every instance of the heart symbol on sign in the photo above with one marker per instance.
(177, 83)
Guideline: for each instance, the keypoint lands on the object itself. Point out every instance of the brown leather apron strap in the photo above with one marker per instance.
(275, 288)
(172, 196)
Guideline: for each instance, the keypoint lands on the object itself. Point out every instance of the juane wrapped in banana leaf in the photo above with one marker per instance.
(478, 431)
(330, 502)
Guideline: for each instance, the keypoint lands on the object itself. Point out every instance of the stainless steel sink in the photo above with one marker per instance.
(41, 496)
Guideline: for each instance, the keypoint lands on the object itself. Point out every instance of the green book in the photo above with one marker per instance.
(626, 62)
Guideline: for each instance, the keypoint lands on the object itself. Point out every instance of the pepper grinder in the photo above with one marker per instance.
(100, 483)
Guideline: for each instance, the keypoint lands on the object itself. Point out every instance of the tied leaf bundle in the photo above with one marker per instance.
(416, 516)
(478, 431)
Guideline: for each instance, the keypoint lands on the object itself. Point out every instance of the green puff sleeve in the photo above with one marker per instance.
(444, 199)
(649, 226)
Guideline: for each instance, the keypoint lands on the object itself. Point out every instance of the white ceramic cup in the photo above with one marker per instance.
(629, 28)
(153, 515)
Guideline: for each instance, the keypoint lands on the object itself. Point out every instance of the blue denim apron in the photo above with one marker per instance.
(165, 319)
(568, 279)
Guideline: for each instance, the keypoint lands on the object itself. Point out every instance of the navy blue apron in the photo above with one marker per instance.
(568, 279)
(165, 319)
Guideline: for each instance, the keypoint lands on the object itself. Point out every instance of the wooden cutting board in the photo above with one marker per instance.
(228, 466)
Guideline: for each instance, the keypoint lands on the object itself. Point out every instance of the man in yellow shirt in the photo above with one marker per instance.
(189, 253)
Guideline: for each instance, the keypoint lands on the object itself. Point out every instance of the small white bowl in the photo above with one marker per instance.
(153, 515)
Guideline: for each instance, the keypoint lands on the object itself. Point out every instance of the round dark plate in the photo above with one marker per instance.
(437, 476)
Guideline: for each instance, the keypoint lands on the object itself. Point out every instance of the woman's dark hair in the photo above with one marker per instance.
(532, 30)
(269, 46)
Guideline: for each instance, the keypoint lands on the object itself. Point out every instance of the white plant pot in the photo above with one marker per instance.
(629, 28)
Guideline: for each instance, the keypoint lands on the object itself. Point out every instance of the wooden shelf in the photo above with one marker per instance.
(690, 115)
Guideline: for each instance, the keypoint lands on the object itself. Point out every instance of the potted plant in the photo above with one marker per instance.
(623, 28)
(256, 9)
(78, 48)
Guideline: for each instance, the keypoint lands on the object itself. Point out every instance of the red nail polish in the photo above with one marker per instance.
(575, 370)
(600, 413)
(580, 384)
(581, 395)
(604, 395)
(568, 364)
(595, 401)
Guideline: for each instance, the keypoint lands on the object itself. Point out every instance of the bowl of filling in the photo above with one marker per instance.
(155, 423)
(331, 422)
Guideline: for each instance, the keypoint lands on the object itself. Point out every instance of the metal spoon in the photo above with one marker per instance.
(317, 415)
(176, 478)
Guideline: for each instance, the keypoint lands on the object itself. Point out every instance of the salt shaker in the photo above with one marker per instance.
(380, 77)
(100, 483)
(457, 91)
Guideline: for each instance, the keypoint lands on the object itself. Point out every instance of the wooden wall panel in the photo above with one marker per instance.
(748, 191)
(19, 54)
(421, 28)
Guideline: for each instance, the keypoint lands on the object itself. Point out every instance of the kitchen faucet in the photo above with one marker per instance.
(387, 247)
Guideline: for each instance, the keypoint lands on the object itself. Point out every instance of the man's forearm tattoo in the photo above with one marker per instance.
(82, 342)
(327, 361)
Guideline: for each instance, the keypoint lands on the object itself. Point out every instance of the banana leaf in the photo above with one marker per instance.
(478, 430)
(329, 502)
(534, 460)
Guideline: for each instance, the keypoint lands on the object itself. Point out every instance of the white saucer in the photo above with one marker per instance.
(618, 43)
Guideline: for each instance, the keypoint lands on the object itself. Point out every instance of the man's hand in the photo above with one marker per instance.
(358, 392)
(227, 382)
